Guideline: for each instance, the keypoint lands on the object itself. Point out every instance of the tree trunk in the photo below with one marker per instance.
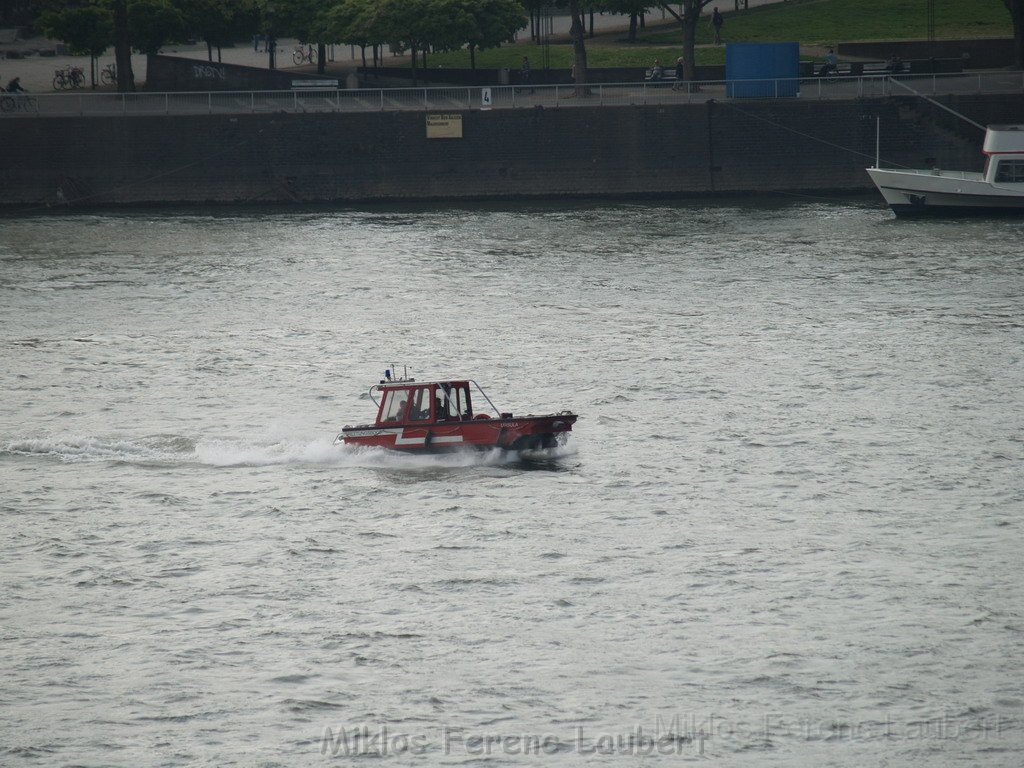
(321, 56)
(472, 56)
(689, 40)
(591, 33)
(632, 28)
(579, 47)
(219, 53)
(209, 51)
(123, 48)
(414, 66)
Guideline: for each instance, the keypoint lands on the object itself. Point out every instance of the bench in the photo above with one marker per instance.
(669, 75)
(314, 85)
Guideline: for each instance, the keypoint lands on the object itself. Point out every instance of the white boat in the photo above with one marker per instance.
(997, 189)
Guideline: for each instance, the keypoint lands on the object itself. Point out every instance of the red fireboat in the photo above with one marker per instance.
(436, 416)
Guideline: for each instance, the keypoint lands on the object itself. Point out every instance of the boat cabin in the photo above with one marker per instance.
(425, 403)
(1004, 154)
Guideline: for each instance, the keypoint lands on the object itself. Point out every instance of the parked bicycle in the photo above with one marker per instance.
(67, 78)
(108, 75)
(304, 54)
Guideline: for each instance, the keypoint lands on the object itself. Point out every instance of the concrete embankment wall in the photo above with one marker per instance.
(744, 146)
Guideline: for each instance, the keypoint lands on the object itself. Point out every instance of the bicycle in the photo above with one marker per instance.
(108, 75)
(16, 102)
(304, 54)
(68, 78)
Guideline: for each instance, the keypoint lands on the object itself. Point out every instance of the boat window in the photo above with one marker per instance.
(462, 401)
(420, 404)
(1010, 172)
(394, 405)
(445, 407)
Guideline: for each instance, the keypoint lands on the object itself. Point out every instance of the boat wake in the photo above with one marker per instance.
(170, 450)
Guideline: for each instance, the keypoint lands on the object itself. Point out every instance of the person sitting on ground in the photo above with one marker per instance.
(831, 65)
(657, 71)
(15, 86)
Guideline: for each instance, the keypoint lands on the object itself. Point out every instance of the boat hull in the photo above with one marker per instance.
(514, 434)
(920, 193)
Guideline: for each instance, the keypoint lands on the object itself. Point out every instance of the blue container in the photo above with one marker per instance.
(762, 70)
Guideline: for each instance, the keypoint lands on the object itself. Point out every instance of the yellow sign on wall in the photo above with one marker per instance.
(444, 126)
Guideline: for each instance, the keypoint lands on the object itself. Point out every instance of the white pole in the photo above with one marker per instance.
(878, 142)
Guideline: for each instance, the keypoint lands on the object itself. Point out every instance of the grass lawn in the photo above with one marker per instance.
(826, 22)
(811, 22)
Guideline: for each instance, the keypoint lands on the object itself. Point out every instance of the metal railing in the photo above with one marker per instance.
(493, 97)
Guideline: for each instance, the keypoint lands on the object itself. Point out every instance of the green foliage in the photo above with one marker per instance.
(302, 19)
(441, 24)
(218, 22)
(153, 23)
(86, 30)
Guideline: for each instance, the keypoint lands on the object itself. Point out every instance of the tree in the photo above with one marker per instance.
(1016, 9)
(351, 22)
(688, 21)
(152, 24)
(122, 47)
(218, 22)
(87, 30)
(579, 47)
(479, 24)
(632, 8)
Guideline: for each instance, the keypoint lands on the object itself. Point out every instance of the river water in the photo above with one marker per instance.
(786, 530)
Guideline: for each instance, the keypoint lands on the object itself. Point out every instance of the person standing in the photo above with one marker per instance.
(717, 21)
(679, 74)
(524, 73)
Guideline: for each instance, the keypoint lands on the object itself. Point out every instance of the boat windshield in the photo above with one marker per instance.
(420, 404)
(393, 408)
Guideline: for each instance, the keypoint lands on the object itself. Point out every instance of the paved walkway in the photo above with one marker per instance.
(36, 71)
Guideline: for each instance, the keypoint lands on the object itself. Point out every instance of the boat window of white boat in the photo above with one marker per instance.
(1010, 172)
(420, 410)
(394, 405)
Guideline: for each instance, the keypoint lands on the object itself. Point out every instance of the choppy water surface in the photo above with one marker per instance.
(787, 530)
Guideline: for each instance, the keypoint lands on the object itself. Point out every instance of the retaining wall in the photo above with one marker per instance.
(716, 147)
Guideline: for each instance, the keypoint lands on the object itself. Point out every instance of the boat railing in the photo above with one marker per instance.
(965, 175)
(454, 98)
(481, 391)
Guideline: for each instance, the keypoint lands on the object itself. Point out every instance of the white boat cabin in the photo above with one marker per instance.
(1004, 154)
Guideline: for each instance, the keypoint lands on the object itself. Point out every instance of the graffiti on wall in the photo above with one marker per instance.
(208, 72)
